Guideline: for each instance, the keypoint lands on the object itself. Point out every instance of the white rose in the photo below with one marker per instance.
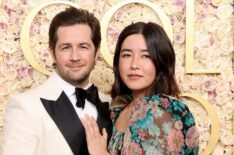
(219, 35)
(227, 138)
(10, 47)
(9, 74)
(224, 11)
(7, 87)
(223, 87)
(227, 72)
(210, 24)
(216, 2)
(229, 107)
(26, 82)
(227, 45)
(229, 149)
(208, 83)
(224, 25)
(201, 39)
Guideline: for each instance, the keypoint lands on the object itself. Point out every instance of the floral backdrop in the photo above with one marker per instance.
(213, 49)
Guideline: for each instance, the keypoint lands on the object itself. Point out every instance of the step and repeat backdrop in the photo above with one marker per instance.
(201, 31)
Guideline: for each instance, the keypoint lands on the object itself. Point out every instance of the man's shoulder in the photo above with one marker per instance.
(47, 87)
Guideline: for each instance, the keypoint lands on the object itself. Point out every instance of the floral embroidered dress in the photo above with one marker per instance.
(160, 125)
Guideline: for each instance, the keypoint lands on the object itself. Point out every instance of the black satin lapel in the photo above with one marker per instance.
(65, 117)
(103, 119)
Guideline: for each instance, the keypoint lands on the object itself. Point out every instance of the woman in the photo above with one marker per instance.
(147, 115)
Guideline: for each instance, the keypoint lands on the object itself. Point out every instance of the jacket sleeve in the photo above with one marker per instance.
(19, 133)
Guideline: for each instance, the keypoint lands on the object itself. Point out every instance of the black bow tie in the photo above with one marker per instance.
(91, 94)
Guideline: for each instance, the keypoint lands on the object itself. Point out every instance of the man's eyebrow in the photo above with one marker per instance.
(85, 43)
(63, 44)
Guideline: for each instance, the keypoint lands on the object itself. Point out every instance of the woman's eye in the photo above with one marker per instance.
(146, 56)
(126, 55)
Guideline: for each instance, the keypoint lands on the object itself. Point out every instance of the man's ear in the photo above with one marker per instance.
(52, 53)
(97, 54)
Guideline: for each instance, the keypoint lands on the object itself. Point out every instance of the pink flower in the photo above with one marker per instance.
(180, 3)
(143, 134)
(133, 148)
(165, 102)
(211, 95)
(175, 141)
(206, 1)
(30, 71)
(212, 40)
(179, 38)
(208, 84)
(3, 25)
(112, 115)
(192, 137)
(23, 71)
(178, 125)
(24, 1)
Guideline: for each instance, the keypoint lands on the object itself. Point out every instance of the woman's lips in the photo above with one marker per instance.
(134, 76)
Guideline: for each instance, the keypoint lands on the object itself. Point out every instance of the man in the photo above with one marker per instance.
(46, 120)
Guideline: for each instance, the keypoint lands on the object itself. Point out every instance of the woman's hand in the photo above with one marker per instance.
(96, 143)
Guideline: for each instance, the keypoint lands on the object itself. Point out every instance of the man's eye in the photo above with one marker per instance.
(65, 47)
(84, 47)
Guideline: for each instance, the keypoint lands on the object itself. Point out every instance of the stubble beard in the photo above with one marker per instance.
(78, 81)
(75, 80)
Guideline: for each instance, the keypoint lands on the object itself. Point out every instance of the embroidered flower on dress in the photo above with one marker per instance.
(192, 137)
(133, 148)
(143, 134)
(112, 115)
(179, 125)
(175, 140)
(165, 102)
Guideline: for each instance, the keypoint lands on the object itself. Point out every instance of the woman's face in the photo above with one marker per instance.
(136, 67)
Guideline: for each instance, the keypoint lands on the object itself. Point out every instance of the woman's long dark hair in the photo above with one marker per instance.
(162, 54)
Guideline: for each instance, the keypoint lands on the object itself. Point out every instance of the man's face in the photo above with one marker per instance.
(74, 54)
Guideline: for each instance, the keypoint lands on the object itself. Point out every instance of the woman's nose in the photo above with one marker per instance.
(135, 63)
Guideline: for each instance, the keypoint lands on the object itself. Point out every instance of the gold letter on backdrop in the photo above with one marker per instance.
(189, 65)
(107, 17)
(24, 36)
(214, 136)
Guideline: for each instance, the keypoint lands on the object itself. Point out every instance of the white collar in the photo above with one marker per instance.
(68, 88)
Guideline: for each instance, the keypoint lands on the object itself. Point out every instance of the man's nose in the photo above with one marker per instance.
(75, 54)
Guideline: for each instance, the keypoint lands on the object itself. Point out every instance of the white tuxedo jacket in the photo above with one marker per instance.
(42, 121)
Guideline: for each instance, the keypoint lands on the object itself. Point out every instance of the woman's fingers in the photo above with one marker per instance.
(96, 141)
(104, 133)
(95, 129)
(91, 127)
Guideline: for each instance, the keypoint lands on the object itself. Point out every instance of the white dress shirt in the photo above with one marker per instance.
(69, 90)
